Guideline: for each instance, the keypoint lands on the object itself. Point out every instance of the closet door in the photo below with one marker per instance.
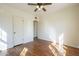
(18, 30)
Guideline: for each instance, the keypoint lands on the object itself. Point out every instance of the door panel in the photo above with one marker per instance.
(18, 30)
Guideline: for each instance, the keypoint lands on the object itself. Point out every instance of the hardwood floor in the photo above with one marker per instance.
(40, 48)
(71, 51)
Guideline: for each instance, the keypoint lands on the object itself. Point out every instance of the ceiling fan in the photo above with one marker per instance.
(40, 6)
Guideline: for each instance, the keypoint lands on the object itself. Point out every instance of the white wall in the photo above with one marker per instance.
(6, 25)
(6, 31)
(62, 24)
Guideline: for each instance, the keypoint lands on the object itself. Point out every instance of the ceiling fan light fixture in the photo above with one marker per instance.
(37, 6)
(42, 7)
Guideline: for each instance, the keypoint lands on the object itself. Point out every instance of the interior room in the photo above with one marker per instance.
(39, 29)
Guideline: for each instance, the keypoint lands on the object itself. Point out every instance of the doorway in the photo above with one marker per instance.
(35, 25)
(18, 27)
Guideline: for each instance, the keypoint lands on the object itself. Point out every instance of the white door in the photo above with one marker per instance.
(18, 30)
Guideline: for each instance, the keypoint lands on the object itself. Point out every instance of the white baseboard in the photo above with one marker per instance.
(3, 52)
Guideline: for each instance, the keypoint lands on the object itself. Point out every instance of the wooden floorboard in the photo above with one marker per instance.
(40, 48)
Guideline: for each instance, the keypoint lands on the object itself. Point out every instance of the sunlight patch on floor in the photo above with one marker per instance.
(52, 50)
(23, 52)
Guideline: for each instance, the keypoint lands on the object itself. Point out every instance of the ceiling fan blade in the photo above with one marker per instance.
(46, 3)
(43, 9)
(39, 3)
(36, 9)
(32, 3)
